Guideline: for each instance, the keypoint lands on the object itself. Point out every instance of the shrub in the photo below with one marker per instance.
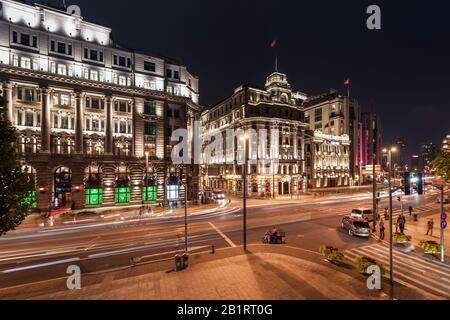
(430, 246)
(399, 237)
(363, 263)
(331, 253)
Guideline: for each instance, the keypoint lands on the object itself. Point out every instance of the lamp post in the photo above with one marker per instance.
(443, 219)
(244, 172)
(146, 177)
(185, 211)
(391, 243)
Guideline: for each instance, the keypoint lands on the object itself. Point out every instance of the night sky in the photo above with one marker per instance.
(402, 71)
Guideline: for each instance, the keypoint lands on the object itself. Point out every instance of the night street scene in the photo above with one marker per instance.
(224, 151)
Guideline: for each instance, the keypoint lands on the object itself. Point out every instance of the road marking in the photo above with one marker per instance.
(231, 243)
(301, 236)
(36, 266)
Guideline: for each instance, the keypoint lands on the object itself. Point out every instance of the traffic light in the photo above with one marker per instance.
(407, 183)
(420, 183)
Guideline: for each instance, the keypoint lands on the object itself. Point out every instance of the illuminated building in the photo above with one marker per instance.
(89, 111)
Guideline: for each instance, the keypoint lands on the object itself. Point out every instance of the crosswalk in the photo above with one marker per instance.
(410, 270)
(396, 212)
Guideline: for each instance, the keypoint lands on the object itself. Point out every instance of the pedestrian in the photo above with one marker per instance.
(430, 227)
(141, 209)
(410, 210)
(401, 223)
(386, 213)
(382, 228)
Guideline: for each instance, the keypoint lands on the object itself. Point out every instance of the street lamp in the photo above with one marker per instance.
(391, 243)
(146, 177)
(244, 172)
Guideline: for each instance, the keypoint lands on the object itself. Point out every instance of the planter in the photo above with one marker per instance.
(331, 254)
(430, 247)
(401, 238)
(363, 263)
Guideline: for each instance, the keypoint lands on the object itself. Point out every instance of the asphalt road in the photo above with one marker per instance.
(45, 254)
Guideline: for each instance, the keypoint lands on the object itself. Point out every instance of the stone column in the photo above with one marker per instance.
(109, 127)
(79, 120)
(45, 120)
(8, 95)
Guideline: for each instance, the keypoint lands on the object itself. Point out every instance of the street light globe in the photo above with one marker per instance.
(385, 150)
(394, 149)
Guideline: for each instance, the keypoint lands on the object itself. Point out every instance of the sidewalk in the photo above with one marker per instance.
(265, 272)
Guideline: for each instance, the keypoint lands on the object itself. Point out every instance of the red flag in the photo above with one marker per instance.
(347, 82)
(273, 44)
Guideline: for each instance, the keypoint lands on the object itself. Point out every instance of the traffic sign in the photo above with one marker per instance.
(444, 225)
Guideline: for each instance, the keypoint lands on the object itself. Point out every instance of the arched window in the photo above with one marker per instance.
(123, 190)
(31, 199)
(93, 185)
(150, 185)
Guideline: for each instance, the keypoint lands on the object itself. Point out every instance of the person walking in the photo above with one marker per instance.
(386, 214)
(410, 210)
(401, 223)
(430, 227)
(382, 228)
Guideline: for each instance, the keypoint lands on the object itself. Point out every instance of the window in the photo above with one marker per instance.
(94, 196)
(29, 119)
(176, 75)
(318, 115)
(150, 146)
(62, 69)
(94, 103)
(94, 55)
(122, 61)
(122, 81)
(150, 107)
(61, 48)
(94, 75)
(95, 124)
(123, 195)
(122, 106)
(149, 129)
(149, 193)
(15, 37)
(149, 66)
(31, 200)
(173, 192)
(25, 63)
(169, 73)
(26, 94)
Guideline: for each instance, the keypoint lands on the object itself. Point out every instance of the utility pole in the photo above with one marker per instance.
(443, 219)
(391, 241)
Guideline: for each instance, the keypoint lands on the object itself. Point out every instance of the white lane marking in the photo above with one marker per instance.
(174, 251)
(36, 266)
(410, 279)
(231, 243)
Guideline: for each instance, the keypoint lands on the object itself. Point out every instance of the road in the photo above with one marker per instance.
(46, 253)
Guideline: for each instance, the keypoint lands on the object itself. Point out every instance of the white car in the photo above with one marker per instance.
(363, 214)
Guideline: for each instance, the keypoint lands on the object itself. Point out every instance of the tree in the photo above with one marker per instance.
(442, 165)
(16, 186)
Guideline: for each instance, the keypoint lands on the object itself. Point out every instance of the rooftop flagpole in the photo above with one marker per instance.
(273, 45)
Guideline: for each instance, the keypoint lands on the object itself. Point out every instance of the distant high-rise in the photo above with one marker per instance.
(427, 154)
(399, 157)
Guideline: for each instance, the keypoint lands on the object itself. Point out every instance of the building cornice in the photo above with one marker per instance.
(54, 80)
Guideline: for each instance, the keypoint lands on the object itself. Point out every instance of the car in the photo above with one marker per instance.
(363, 214)
(356, 227)
(218, 196)
(446, 200)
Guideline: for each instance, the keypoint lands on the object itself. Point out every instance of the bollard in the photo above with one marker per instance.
(213, 249)
(178, 265)
(185, 261)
